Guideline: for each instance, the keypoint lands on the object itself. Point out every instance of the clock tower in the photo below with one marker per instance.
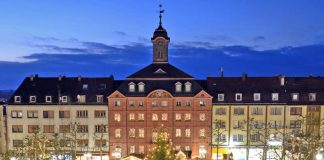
(160, 42)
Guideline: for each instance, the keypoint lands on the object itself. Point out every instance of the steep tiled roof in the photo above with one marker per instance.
(266, 86)
(160, 70)
(64, 86)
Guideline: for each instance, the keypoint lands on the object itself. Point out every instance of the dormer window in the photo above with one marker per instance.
(141, 87)
(275, 96)
(48, 99)
(187, 87)
(64, 99)
(32, 99)
(256, 96)
(295, 96)
(178, 87)
(85, 86)
(312, 96)
(99, 98)
(238, 97)
(220, 97)
(81, 98)
(17, 99)
(131, 87)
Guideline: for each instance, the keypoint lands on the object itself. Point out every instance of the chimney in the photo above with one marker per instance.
(31, 77)
(244, 76)
(282, 80)
(79, 78)
(60, 78)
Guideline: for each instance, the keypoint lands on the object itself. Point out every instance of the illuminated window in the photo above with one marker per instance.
(32, 114)
(295, 96)
(141, 133)
(131, 132)
(131, 116)
(16, 114)
(178, 117)
(140, 117)
(275, 96)
(132, 149)
(117, 117)
(131, 87)
(187, 116)
(155, 117)
(188, 132)
(117, 133)
(238, 138)
(164, 103)
(202, 103)
(202, 132)
(178, 87)
(141, 87)
(81, 98)
(187, 87)
(178, 132)
(164, 117)
(202, 116)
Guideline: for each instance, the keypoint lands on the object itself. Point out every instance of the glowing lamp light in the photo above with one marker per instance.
(319, 156)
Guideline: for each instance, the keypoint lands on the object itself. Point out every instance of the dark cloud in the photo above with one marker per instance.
(99, 59)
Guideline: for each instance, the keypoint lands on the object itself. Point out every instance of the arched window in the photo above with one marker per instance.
(187, 87)
(141, 87)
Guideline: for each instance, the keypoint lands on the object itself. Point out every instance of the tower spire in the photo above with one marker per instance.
(161, 11)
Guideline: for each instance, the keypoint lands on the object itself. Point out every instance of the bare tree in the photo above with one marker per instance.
(219, 134)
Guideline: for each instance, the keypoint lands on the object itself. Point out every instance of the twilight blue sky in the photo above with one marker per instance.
(100, 37)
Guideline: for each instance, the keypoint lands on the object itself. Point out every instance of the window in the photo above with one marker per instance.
(177, 148)
(312, 96)
(220, 97)
(32, 99)
(238, 124)
(48, 99)
(100, 114)
(33, 128)
(257, 124)
(141, 149)
(131, 103)
(48, 114)
(64, 128)
(220, 111)
(275, 96)
(238, 138)
(155, 117)
(178, 132)
(187, 87)
(256, 96)
(16, 114)
(140, 116)
(83, 142)
(64, 114)
(32, 114)
(17, 143)
(131, 87)
(154, 104)
(295, 123)
(187, 116)
(220, 138)
(131, 116)
(220, 124)
(188, 103)
(141, 133)
(131, 132)
(102, 86)
(164, 117)
(117, 117)
(164, 103)
(178, 87)
(81, 98)
(82, 128)
(82, 114)
(295, 96)
(141, 87)
(255, 137)
(202, 103)
(64, 99)
(275, 124)
(132, 149)
(154, 135)
(202, 116)
(238, 111)
(178, 117)
(117, 103)
(178, 103)
(100, 128)
(17, 129)
(99, 98)
(85, 86)
(140, 103)
(188, 133)
(296, 111)
(101, 143)
(187, 148)
(117, 133)
(275, 111)
(48, 128)
(257, 111)
(238, 97)
(17, 99)
(202, 133)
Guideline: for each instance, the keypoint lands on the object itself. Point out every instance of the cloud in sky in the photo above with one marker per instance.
(199, 59)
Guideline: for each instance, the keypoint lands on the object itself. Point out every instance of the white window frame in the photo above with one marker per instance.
(295, 96)
(188, 87)
(178, 87)
(50, 99)
(220, 97)
(141, 87)
(64, 99)
(17, 99)
(275, 96)
(238, 95)
(99, 98)
(312, 97)
(257, 96)
(85, 87)
(131, 87)
(31, 99)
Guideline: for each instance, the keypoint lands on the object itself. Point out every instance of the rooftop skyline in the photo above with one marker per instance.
(103, 38)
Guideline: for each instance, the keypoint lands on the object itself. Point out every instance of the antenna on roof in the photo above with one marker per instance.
(221, 71)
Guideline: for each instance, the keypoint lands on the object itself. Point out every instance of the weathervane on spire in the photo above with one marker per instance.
(161, 11)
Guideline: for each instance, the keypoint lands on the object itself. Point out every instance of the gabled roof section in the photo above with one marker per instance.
(159, 71)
